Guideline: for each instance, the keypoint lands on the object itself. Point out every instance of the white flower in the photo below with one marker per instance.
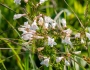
(53, 25)
(82, 41)
(77, 35)
(17, 16)
(27, 36)
(25, 27)
(58, 59)
(67, 63)
(48, 19)
(63, 21)
(46, 25)
(45, 62)
(77, 52)
(41, 21)
(42, 1)
(88, 35)
(34, 26)
(17, 1)
(26, 23)
(68, 32)
(67, 41)
(51, 42)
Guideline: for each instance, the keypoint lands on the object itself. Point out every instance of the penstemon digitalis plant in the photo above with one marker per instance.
(53, 41)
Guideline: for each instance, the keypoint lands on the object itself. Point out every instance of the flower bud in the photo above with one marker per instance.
(26, 1)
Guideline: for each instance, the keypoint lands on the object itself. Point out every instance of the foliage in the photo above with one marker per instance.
(58, 42)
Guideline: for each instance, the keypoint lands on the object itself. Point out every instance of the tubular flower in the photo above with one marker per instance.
(25, 27)
(63, 21)
(48, 19)
(53, 25)
(67, 63)
(27, 36)
(58, 59)
(17, 1)
(77, 52)
(34, 26)
(17, 16)
(51, 42)
(41, 21)
(67, 41)
(45, 62)
(68, 32)
(82, 41)
(46, 25)
(77, 35)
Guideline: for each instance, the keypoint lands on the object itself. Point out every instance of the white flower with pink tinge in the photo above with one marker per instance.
(77, 35)
(58, 59)
(68, 32)
(45, 62)
(48, 19)
(17, 16)
(67, 41)
(34, 26)
(63, 21)
(53, 25)
(46, 25)
(26, 25)
(51, 41)
(41, 21)
(17, 1)
(25, 28)
(27, 36)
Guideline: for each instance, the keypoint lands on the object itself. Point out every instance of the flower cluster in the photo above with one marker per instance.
(30, 32)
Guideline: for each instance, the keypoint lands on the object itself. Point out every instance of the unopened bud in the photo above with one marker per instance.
(26, 1)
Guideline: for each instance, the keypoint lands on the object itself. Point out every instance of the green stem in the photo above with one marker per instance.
(17, 56)
(47, 9)
(27, 60)
(2, 61)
